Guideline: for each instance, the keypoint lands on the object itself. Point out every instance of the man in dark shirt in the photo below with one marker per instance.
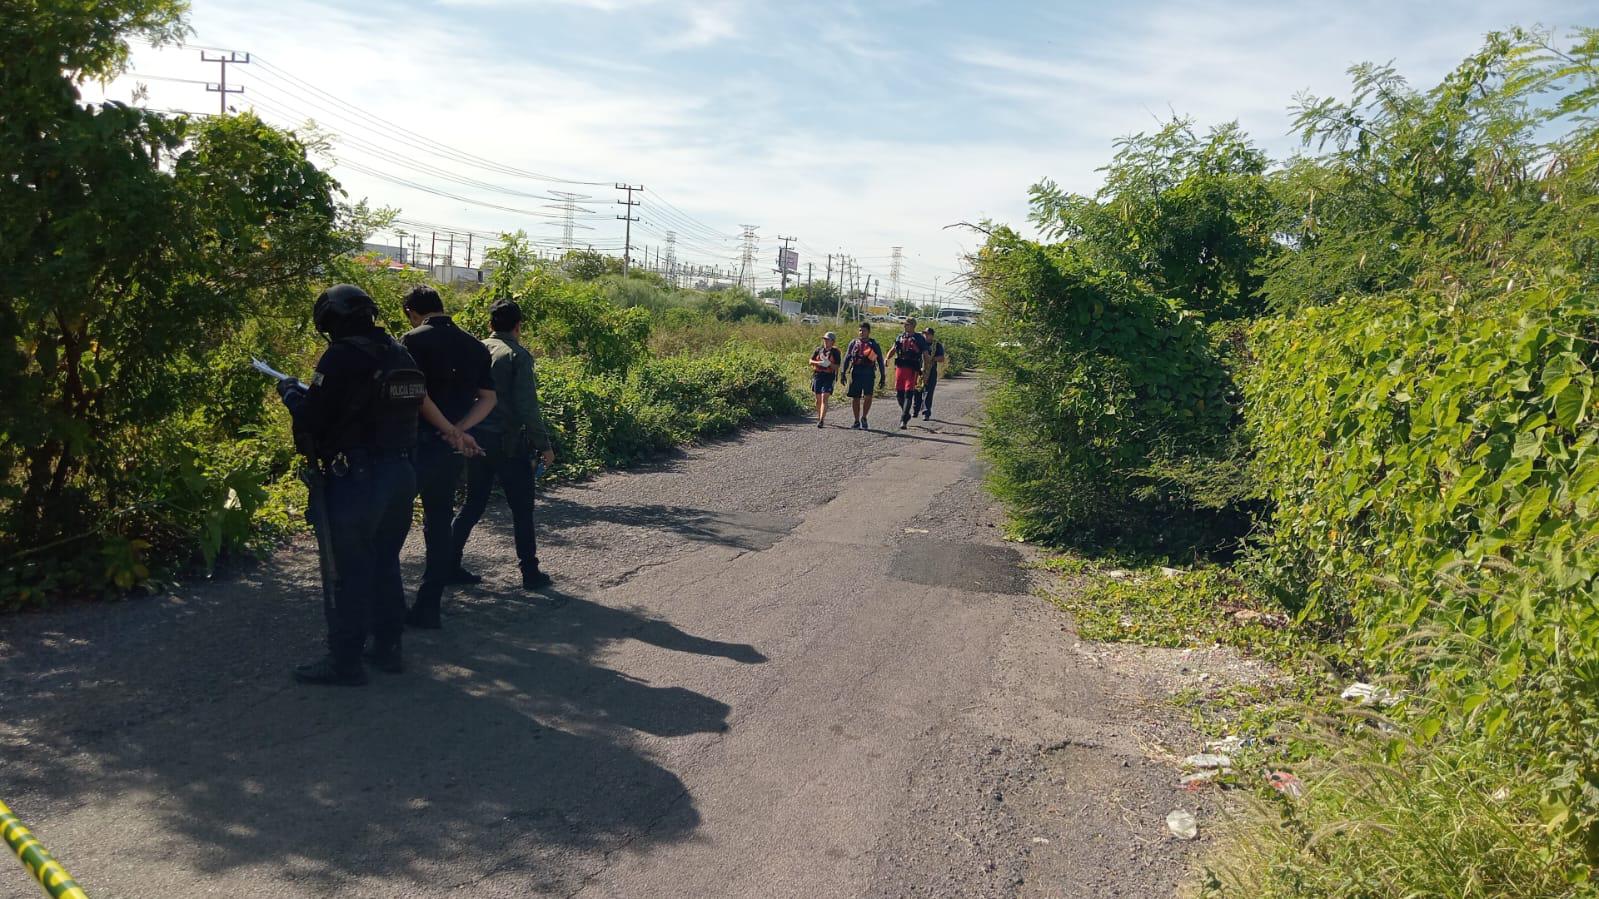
(859, 360)
(930, 364)
(459, 383)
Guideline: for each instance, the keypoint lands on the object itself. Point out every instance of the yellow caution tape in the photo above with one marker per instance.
(57, 883)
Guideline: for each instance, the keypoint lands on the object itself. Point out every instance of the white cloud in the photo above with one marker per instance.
(819, 124)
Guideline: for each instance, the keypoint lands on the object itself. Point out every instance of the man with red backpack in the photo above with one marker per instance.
(863, 354)
(908, 350)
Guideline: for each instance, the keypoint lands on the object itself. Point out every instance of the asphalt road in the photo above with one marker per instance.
(798, 663)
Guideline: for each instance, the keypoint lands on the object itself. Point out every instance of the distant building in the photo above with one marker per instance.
(387, 251)
(457, 274)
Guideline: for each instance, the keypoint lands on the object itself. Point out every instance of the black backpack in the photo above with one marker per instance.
(384, 416)
(909, 351)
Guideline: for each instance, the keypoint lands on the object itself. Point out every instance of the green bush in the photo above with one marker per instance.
(135, 246)
(611, 421)
(960, 348)
(1101, 385)
(1437, 489)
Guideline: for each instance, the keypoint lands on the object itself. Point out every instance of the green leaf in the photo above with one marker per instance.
(1427, 728)
(1586, 479)
(1571, 405)
(1495, 720)
(1532, 507)
(1472, 702)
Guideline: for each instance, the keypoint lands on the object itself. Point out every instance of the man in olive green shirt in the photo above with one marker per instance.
(511, 436)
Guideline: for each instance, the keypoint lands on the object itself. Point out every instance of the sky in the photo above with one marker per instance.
(852, 127)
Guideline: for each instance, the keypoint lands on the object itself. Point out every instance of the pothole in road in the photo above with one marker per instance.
(976, 567)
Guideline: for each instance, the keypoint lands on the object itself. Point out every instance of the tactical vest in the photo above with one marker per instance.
(909, 352)
(383, 413)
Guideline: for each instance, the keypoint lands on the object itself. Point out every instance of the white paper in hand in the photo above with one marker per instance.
(271, 372)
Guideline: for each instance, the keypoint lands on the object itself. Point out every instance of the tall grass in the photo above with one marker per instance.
(1459, 817)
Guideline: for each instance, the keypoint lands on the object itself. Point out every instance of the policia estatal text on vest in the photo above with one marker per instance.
(356, 425)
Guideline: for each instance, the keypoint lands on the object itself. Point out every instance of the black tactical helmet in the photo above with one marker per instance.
(338, 303)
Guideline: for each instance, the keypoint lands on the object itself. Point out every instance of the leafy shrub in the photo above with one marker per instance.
(1189, 217)
(1437, 488)
(960, 348)
(1100, 382)
(737, 305)
(135, 245)
(609, 421)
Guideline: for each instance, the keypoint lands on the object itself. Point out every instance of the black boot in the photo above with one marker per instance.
(385, 656)
(464, 577)
(423, 618)
(535, 580)
(328, 671)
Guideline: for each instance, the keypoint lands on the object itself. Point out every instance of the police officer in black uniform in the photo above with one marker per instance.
(357, 425)
(460, 384)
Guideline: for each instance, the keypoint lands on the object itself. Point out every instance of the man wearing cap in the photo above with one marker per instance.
(457, 369)
(825, 363)
(908, 351)
(512, 434)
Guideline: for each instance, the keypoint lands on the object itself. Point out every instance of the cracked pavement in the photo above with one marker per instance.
(799, 662)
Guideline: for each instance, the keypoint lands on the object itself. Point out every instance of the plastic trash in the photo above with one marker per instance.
(1182, 824)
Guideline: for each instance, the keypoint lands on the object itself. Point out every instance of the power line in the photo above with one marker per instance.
(442, 149)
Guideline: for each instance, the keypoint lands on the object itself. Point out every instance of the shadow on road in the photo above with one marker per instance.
(175, 722)
(558, 517)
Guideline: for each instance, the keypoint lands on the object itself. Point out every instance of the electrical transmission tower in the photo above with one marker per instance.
(569, 210)
(746, 267)
(894, 266)
(671, 258)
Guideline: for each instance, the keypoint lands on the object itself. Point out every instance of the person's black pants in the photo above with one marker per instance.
(438, 472)
(368, 516)
(927, 394)
(515, 474)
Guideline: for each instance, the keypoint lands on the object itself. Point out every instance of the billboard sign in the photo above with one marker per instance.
(788, 261)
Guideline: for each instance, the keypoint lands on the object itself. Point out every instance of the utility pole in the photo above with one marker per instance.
(810, 270)
(630, 218)
(671, 258)
(451, 263)
(469, 249)
(221, 88)
(433, 249)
